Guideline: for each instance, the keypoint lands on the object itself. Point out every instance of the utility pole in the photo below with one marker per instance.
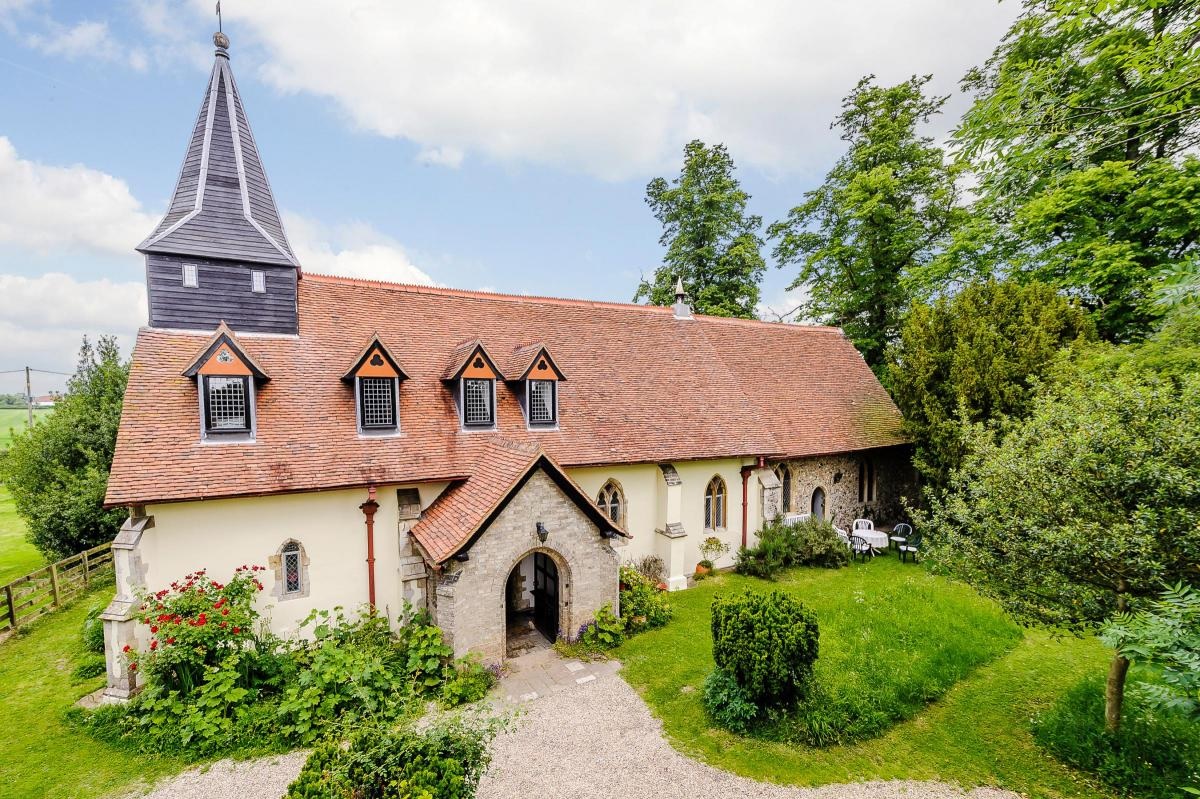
(28, 397)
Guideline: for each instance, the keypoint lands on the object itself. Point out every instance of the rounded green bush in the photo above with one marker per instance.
(767, 643)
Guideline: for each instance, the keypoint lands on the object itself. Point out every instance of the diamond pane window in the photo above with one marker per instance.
(611, 501)
(291, 568)
(377, 401)
(227, 404)
(542, 402)
(477, 402)
(714, 504)
(785, 487)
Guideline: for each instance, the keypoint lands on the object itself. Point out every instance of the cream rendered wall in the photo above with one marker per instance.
(221, 535)
(644, 497)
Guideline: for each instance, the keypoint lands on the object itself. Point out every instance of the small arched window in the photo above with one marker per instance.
(784, 473)
(611, 500)
(714, 504)
(818, 504)
(292, 568)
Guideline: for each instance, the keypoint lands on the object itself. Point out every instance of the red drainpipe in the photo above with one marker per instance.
(746, 470)
(368, 508)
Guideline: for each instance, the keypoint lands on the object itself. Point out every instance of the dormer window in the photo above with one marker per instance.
(479, 402)
(376, 377)
(542, 402)
(226, 404)
(226, 379)
(536, 376)
(472, 375)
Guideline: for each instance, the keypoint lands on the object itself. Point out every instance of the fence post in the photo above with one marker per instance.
(85, 570)
(54, 582)
(12, 609)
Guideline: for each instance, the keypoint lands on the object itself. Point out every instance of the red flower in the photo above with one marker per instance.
(224, 624)
(171, 640)
(237, 630)
(133, 667)
(153, 645)
(224, 611)
(126, 648)
(154, 628)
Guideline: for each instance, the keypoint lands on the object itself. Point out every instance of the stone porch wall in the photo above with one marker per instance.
(838, 475)
(469, 598)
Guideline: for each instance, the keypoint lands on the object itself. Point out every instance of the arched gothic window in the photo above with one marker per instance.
(784, 473)
(290, 563)
(611, 500)
(714, 504)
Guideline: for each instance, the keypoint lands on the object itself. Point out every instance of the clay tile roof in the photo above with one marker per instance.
(520, 363)
(225, 335)
(465, 508)
(645, 388)
(462, 353)
(362, 356)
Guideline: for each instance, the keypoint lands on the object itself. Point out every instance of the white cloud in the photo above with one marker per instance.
(783, 306)
(441, 156)
(85, 39)
(351, 250)
(55, 209)
(43, 319)
(613, 90)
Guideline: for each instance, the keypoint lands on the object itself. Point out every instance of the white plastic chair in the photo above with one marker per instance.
(862, 524)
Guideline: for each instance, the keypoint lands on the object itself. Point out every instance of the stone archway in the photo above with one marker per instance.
(536, 599)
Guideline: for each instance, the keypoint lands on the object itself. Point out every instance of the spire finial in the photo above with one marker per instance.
(219, 38)
(679, 292)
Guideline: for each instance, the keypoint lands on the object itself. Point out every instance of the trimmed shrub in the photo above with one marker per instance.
(1155, 752)
(767, 643)
(643, 606)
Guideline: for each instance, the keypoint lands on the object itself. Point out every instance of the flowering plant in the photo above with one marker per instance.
(195, 623)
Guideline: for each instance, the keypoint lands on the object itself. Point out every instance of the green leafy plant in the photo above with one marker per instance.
(91, 634)
(91, 665)
(812, 542)
(605, 631)
(643, 605)
(652, 568)
(469, 681)
(767, 643)
(444, 760)
(1166, 637)
(729, 705)
(712, 548)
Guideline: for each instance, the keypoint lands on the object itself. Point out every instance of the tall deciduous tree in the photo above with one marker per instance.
(1079, 136)
(57, 471)
(712, 244)
(886, 208)
(1085, 507)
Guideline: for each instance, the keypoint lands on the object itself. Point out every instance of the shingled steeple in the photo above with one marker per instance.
(220, 253)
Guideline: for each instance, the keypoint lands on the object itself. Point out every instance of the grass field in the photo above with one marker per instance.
(14, 420)
(977, 733)
(17, 556)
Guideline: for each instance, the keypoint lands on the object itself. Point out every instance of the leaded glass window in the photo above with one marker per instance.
(714, 504)
(785, 487)
(291, 568)
(542, 408)
(611, 500)
(227, 404)
(377, 402)
(478, 408)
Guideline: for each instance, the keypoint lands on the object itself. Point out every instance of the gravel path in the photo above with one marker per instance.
(590, 741)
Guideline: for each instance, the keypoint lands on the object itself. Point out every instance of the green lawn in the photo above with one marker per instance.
(17, 556)
(15, 420)
(976, 734)
(45, 757)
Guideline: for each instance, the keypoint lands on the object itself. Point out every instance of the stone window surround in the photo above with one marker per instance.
(611, 486)
(720, 511)
(275, 562)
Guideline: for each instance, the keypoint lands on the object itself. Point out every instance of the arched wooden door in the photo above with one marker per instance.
(545, 595)
(818, 504)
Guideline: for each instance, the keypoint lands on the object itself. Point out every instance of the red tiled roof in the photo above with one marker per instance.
(644, 387)
(464, 508)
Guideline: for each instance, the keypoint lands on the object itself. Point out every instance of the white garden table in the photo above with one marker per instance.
(878, 540)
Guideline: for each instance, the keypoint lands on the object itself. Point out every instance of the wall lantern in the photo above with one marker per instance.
(542, 532)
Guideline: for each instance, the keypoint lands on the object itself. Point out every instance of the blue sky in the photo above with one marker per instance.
(475, 144)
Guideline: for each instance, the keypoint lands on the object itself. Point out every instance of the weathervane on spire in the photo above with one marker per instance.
(219, 38)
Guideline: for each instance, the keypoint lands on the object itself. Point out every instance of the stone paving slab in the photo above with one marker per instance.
(543, 672)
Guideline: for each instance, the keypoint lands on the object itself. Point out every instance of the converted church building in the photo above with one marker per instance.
(481, 455)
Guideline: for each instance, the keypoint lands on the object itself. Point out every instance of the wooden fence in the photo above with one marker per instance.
(39, 592)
